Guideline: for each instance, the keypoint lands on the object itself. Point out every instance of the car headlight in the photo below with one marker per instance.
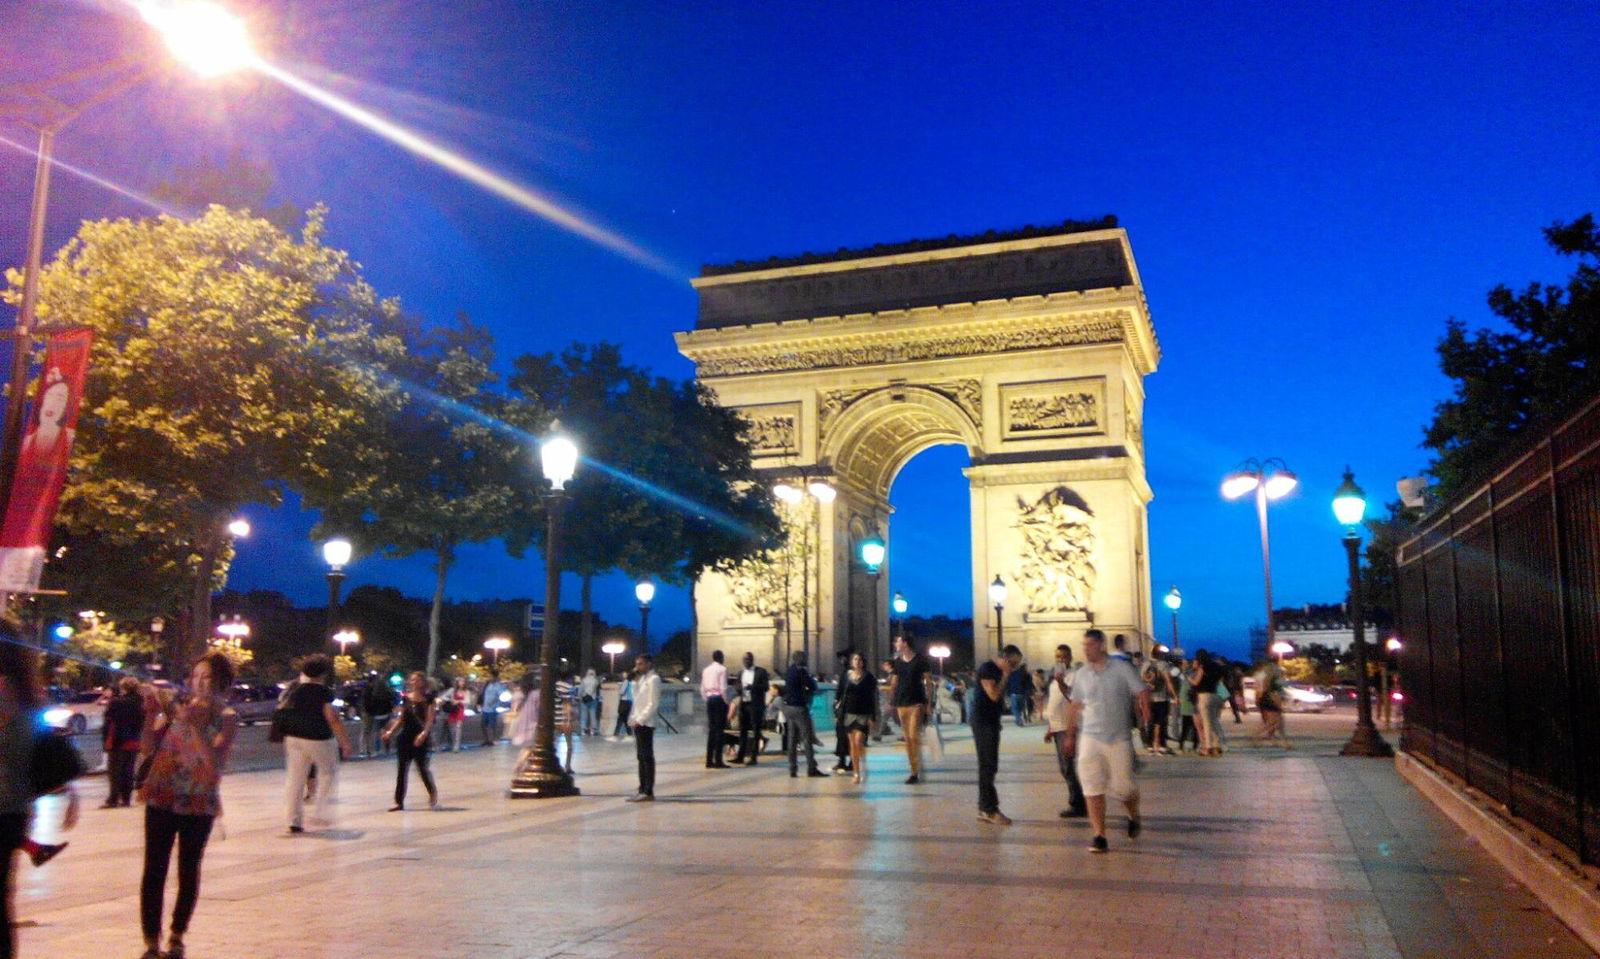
(57, 716)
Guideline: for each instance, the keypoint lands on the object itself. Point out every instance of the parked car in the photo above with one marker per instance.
(77, 712)
(254, 703)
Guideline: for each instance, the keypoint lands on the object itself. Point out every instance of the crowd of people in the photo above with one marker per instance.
(171, 747)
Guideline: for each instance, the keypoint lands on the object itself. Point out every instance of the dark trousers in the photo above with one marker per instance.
(161, 827)
(1157, 734)
(841, 743)
(119, 771)
(751, 716)
(1234, 699)
(644, 748)
(491, 727)
(797, 723)
(716, 727)
(407, 757)
(986, 739)
(1069, 772)
(13, 829)
(624, 707)
(1188, 732)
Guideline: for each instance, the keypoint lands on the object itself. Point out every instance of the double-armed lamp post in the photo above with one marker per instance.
(1349, 507)
(819, 491)
(1270, 480)
(540, 774)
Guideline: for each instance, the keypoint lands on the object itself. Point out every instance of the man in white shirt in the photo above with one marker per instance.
(1057, 710)
(642, 721)
(713, 686)
(1104, 691)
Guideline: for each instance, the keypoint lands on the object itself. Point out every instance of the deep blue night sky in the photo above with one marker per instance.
(1310, 191)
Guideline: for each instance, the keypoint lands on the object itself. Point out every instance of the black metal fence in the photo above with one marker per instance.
(1500, 611)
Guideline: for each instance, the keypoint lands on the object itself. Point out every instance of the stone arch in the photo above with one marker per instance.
(872, 438)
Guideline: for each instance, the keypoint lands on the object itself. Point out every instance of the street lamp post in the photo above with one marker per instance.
(899, 605)
(873, 552)
(336, 553)
(644, 591)
(1349, 506)
(208, 40)
(997, 595)
(940, 652)
(1281, 649)
(540, 774)
(820, 492)
(496, 645)
(1174, 599)
(1269, 480)
(1390, 647)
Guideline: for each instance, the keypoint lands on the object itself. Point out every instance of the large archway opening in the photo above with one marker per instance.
(930, 548)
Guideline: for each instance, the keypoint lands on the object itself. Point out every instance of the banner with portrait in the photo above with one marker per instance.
(41, 469)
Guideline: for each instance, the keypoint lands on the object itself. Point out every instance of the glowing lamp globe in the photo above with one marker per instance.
(1349, 501)
(872, 552)
(644, 592)
(336, 552)
(1173, 599)
(900, 605)
(202, 36)
(497, 644)
(997, 592)
(1280, 484)
(239, 528)
(786, 493)
(822, 491)
(558, 457)
(614, 648)
(1240, 483)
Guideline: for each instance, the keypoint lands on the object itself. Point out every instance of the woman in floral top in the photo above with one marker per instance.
(186, 743)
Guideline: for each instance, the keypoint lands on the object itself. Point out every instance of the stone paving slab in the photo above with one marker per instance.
(1258, 854)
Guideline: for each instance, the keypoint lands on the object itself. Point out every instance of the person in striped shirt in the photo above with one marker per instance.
(566, 712)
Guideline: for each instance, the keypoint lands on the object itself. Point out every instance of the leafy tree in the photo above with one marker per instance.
(229, 359)
(92, 649)
(1512, 378)
(444, 472)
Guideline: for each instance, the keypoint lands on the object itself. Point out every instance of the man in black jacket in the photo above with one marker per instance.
(799, 686)
(753, 686)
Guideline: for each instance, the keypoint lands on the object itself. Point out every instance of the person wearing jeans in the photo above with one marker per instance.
(188, 744)
(993, 677)
(798, 689)
(642, 723)
(314, 738)
(1057, 708)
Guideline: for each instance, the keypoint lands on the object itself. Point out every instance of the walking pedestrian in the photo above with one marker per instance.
(1269, 702)
(713, 687)
(313, 738)
(1233, 682)
(377, 705)
(186, 743)
(993, 679)
(798, 690)
(124, 730)
(754, 684)
(1017, 688)
(589, 705)
(842, 764)
(566, 714)
(411, 730)
(1099, 723)
(624, 707)
(492, 707)
(858, 709)
(642, 720)
(456, 703)
(1187, 730)
(1207, 679)
(1056, 718)
(909, 691)
(1158, 677)
(886, 713)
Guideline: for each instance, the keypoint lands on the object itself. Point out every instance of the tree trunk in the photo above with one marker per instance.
(446, 557)
(192, 639)
(586, 631)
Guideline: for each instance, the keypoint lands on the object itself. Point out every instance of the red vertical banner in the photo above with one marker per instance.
(42, 462)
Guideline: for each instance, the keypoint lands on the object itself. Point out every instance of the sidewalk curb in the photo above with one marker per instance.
(1569, 893)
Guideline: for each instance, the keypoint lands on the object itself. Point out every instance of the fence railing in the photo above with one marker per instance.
(1500, 612)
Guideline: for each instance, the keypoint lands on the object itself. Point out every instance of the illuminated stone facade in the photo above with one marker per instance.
(1030, 351)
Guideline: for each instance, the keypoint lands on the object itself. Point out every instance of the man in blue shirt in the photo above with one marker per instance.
(1100, 722)
(798, 689)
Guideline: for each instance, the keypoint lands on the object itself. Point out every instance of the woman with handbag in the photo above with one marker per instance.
(858, 711)
(186, 745)
(412, 730)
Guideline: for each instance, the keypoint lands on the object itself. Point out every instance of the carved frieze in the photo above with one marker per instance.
(1057, 572)
(1053, 408)
(867, 349)
(967, 394)
(772, 429)
(834, 402)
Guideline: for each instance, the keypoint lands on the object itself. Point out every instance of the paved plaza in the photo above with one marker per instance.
(1259, 854)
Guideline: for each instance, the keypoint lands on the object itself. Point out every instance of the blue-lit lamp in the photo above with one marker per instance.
(872, 553)
(1349, 501)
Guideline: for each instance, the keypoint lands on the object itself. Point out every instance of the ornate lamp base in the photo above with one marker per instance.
(1366, 741)
(542, 780)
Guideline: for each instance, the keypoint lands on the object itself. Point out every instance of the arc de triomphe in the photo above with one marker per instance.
(1029, 349)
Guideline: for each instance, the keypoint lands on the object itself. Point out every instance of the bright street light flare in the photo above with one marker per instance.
(202, 36)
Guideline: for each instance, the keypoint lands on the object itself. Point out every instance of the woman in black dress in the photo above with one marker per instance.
(412, 728)
(858, 707)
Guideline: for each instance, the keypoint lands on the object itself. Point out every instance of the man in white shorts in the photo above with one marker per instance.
(1104, 692)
